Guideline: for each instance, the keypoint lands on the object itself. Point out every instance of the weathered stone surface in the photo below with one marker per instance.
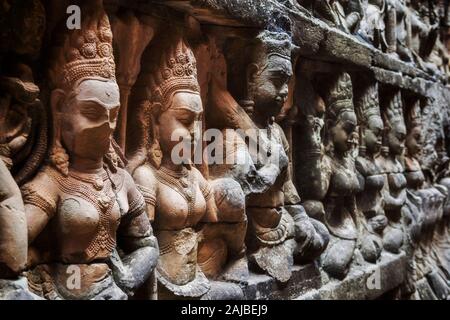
(303, 279)
(16, 290)
(362, 281)
(346, 195)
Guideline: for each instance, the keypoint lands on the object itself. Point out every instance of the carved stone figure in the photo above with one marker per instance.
(89, 234)
(224, 149)
(343, 14)
(370, 199)
(331, 174)
(394, 190)
(23, 141)
(23, 122)
(424, 32)
(280, 233)
(442, 238)
(13, 239)
(397, 29)
(372, 26)
(23, 133)
(180, 200)
(432, 204)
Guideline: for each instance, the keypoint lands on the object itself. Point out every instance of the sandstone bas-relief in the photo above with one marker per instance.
(350, 171)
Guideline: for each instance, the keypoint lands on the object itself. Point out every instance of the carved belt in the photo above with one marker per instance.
(276, 235)
(72, 281)
(177, 268)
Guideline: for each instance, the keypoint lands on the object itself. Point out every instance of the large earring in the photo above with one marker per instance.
(58, 155)
(154, 151)
(59, 158)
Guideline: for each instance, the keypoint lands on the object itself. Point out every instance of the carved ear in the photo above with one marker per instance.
(57, 99)
(252, 71)
(328, 125)
(156, 109)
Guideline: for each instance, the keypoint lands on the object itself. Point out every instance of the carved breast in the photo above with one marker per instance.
(375, 182)
(178, 208)
(78, 223)
(415, 178)
(87, 218)
(397, 181)
(344, 181)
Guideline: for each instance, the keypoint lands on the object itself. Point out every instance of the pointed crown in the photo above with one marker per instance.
(339, 98)
(176, 71)
(85, 53)
(269, 43)
(394, 111)
(414, 116)
(368, 104)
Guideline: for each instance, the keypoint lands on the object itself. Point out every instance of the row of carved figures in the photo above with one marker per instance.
(413, 30)
(92, 221)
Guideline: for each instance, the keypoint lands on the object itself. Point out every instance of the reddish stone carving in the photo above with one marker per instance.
(82, 207)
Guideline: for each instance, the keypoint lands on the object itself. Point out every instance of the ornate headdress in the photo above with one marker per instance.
(339, 98)
(173, 70)
(269, 43)
(367, 105)
(394, 112)
(414, 118)
(176, 71)
(85, 53)
(81, 54)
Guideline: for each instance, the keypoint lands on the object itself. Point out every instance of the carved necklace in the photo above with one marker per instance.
(261, 139)
(96, 180)
(100, 199)
(181, 182)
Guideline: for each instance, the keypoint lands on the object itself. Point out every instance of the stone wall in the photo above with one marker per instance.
(224, 149)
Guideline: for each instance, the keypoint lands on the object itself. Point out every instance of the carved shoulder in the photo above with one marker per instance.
(42, 191)
(145, 176)
(145, 179)
(360, 164)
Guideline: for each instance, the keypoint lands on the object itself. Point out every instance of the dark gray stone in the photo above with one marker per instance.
(16, 290)
(361, 282)
(303, 279)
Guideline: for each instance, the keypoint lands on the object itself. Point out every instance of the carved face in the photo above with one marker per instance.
(343, 133)
(414, 141)
(88, 118)
(396, 139)
(179, 121)
(373, 135)
(268, 84)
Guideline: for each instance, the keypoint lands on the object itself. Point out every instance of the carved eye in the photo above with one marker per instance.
(91, 114)
(91, 111)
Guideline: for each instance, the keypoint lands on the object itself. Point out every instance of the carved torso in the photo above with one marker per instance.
(84, 214)
(180, 200)
(370, 199)
(395, 177)
(180, 204)
(413, 173)
(340, 203)
(274, 196)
